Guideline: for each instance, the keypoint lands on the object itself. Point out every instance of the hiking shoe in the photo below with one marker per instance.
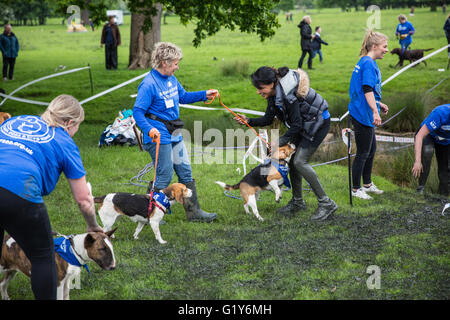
(360, 193)
(324, 210)
(373, 188)
(420, 189)
(293, 206)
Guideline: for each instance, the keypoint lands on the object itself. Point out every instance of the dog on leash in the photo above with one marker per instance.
(267, 176)
(92, 246)
(4, 116)
(136, 207)
(411, 55)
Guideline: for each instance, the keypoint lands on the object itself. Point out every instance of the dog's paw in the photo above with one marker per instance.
(260, 218)
(136, 237)
(162, 241)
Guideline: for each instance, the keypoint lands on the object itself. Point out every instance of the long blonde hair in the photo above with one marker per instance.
(63, 109)
(371, 38)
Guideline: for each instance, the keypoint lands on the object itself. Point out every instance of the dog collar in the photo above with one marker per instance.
(283, 169)
(160, 200)
(63, 246)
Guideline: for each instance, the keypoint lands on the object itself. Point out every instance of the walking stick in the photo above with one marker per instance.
(349, 150)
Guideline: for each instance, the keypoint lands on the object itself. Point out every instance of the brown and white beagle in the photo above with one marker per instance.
(264, 177)
(136, 207)
(4, 116)
(92, 246)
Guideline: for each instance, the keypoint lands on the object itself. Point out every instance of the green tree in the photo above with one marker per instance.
(209, 16)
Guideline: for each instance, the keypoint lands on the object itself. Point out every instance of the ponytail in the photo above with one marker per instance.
(267, 75)
(371, 38)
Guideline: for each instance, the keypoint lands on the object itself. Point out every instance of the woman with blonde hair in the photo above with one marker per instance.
(157, 113)
(364, 109)
(33, 152)
(404, 32)
(306, 38)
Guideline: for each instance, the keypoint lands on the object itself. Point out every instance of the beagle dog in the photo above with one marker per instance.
(71, 253)
(267, 176)
(4, 116)
(137, 207)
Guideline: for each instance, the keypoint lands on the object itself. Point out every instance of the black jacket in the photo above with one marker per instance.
(317, 43)
(305, 34)
(300, 110)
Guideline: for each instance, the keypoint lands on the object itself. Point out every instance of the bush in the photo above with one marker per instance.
(235, 68)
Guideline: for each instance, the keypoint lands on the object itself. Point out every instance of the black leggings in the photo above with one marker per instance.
(304, 52)
(443, 161)
(366, 146)
(28, 224)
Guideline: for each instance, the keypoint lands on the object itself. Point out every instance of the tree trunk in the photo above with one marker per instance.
(141, 45)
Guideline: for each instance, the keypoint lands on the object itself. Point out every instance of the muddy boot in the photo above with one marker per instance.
(192, 207)
(325, 209)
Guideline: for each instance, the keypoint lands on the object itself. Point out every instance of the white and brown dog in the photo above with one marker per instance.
(136, 207)
(92, 246)
(267, 176)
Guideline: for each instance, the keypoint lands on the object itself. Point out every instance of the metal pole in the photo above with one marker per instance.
(90, 78)
(349, 150)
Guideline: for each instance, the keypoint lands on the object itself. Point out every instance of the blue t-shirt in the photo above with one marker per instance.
(33, 155)
(405, 28)
(366, 72)
(438, 122)
(161, 95)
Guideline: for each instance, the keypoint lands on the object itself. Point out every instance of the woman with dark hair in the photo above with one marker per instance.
(305, 113)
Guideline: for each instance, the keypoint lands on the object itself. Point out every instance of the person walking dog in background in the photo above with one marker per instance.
(433, 135)
(9, 46)
(316, 44)
(306, 37)
(33, 153)
(364, 108)
(157, 113)
(291, 99)
(404, 32)
(111, 40)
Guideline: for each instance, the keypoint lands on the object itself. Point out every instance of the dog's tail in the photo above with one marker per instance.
(227, 186)
(428, 49)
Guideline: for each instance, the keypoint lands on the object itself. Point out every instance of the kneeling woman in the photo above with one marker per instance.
(305, 113)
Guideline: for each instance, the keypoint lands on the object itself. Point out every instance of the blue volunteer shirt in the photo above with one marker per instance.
(161, 95)
(405, 28)
(438, 122)
(33, 155)
(366, 72)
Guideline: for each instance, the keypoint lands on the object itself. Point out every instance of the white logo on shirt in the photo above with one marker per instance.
(29, 128)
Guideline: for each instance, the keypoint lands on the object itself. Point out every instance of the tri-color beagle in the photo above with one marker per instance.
(92, 246)
(4, 116)
(136, 207)
(267, 176)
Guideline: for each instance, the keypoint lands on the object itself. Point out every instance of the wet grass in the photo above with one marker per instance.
(238, 257)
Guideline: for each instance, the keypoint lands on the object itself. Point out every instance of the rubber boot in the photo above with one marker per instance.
(296, 204)
(192, 207)
(325, 209)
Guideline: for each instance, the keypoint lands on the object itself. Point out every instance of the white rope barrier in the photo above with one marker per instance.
(24, 100)
(35, 81)
(113, 88)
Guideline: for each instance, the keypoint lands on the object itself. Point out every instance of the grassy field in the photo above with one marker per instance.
(238, 257)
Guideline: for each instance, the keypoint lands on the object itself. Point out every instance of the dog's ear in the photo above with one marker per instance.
(177, 193)
(110, 232)
(89, 241)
